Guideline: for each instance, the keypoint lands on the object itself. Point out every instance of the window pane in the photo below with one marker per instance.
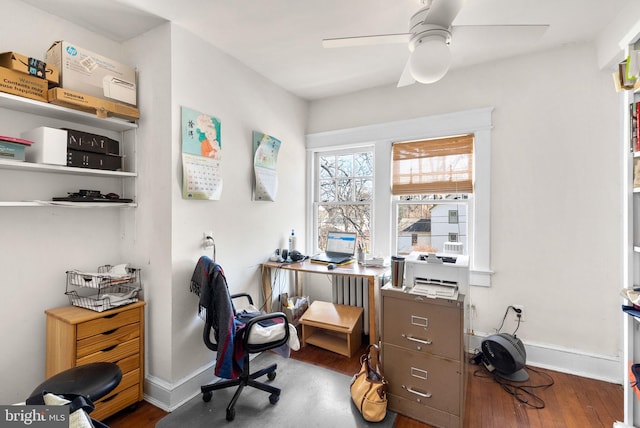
(327, 191)
(345, 166)
(425, 227)
(346, 218)
(363, 164)
(345, 190)
(364, 190)
(327, 167)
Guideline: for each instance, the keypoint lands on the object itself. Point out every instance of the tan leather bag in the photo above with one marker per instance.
(369, 387)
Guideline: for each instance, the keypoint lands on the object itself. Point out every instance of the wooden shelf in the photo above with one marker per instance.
(40, 108)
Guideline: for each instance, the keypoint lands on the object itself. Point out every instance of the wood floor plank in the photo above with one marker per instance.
(572, 401)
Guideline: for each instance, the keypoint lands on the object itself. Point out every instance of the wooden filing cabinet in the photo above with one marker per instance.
(77, 336)
(423, 357)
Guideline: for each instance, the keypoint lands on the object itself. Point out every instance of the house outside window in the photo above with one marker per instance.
(432, 181)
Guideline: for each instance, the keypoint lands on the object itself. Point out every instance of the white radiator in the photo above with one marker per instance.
(352, 291)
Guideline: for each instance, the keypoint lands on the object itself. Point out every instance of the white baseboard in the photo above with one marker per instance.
(599, 367)
(169, 396)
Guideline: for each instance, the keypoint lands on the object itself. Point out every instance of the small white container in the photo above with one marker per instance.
(49, 145)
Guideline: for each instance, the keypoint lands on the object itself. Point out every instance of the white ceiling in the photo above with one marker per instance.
(281, 39)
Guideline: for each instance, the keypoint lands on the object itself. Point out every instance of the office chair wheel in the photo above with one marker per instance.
(206, 397)
(271, 375)
(231, 414)
(274, 398)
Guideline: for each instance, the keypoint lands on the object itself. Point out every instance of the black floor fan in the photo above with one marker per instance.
(504, 355)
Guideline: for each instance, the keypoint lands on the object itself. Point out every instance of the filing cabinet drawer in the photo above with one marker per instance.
(425, 380)
(112, 353)
(429, 415)
(412, 324)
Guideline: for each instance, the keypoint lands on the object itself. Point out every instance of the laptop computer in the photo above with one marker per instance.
(341, 246)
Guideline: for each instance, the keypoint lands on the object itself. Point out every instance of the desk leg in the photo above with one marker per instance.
(373, 333)
(266, 288)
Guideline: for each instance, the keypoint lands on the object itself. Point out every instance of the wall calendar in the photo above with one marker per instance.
(201, 156)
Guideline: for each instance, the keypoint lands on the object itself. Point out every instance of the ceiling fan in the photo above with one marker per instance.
(430, 34)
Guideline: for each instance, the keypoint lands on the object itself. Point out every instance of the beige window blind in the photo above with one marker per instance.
(442, 165)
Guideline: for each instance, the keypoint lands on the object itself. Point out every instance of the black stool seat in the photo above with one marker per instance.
(94, 381)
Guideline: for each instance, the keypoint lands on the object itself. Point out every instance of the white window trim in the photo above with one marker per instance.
(475, 121)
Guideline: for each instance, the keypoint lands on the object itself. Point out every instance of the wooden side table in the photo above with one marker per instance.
(337, 328)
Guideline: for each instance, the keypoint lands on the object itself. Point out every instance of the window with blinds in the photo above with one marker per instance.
(437, 166)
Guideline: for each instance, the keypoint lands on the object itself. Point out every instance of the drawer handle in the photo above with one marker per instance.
(106, 400)
(110, 331)
(419, 394)
(419, 321)
(110, 348)
(413, 339)
(110, 316)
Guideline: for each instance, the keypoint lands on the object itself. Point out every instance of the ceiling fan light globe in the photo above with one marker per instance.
(430, 60)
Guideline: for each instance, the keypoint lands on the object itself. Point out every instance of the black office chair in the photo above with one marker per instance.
(246, 378)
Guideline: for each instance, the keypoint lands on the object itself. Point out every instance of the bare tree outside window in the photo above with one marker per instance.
(345, 194)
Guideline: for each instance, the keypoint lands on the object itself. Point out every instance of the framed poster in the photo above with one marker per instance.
(201, 156)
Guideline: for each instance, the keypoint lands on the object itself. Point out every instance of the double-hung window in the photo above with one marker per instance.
(344, 186)
(432, 184)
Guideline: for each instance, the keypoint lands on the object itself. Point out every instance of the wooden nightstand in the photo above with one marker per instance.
(77, 336)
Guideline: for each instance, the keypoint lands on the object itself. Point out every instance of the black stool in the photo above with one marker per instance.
(93, 381)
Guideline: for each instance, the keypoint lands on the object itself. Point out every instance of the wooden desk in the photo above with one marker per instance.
(369, 272)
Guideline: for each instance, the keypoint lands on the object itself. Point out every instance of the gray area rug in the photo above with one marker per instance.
(311, 397)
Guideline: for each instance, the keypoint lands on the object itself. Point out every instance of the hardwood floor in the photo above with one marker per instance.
(571, 401)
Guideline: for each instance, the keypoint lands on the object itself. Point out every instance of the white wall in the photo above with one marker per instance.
(163, 235)
(39, 244)
(555, 208)
(196, 75)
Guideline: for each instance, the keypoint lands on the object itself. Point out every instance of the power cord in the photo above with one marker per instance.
(524, 393)
(518, 315)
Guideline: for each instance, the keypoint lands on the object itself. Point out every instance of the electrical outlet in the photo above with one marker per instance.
(515, 313)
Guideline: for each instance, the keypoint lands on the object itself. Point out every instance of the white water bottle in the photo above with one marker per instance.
(292, 241)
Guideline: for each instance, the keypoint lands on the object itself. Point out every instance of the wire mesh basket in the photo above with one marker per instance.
(103, 290)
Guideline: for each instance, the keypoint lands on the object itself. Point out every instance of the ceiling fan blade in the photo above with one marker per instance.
(380, 39)
(443, 12)
(406, 78)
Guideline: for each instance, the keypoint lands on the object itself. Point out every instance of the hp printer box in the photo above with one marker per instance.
(87, 72)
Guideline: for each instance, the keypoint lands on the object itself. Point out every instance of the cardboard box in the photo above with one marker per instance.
(100, 107)
(21, 84)
(93, 74)
(50, 145)
(31, 66)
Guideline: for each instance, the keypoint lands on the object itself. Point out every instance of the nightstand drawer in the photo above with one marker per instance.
(425, 380)
(107, 339)
(421, 327)
(107, 323)
(112, 353)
